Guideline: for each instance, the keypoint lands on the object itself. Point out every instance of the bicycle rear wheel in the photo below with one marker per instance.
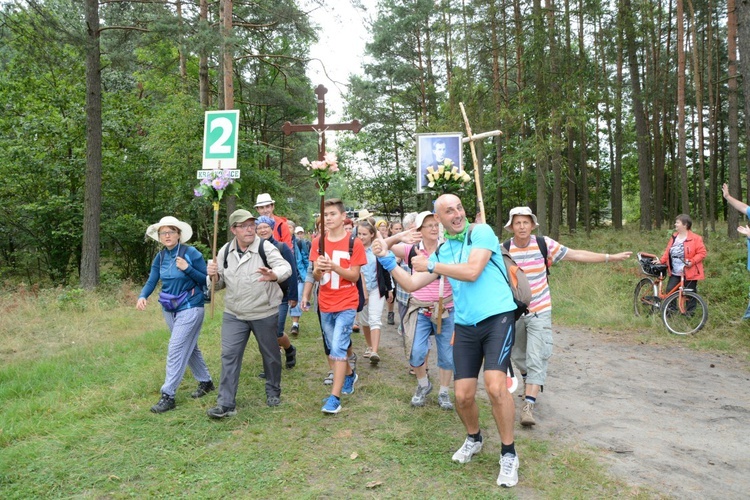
(684, 315)
(643, 300)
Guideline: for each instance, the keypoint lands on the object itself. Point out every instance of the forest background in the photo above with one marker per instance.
(625, 112)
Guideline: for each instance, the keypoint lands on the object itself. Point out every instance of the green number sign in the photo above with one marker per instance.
(220, 139)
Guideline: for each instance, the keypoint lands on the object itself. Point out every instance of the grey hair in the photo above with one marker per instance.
(410, 219)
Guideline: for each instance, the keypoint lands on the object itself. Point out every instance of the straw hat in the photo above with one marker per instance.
(186, 232)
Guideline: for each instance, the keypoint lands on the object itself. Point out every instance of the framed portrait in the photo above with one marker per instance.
(433, 150)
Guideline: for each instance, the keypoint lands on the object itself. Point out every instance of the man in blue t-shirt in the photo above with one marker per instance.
(745, 209)
(484, 329)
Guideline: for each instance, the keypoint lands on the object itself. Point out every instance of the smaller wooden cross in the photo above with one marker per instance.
(320, 128)
(471, 139)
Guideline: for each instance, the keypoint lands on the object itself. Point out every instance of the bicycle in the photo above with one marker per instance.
(682, 310)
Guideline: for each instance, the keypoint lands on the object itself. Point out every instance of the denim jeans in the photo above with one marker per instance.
(421, 345)
(337, 330)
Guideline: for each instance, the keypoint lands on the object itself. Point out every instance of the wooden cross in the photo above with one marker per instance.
(320, 128)
(471, 139)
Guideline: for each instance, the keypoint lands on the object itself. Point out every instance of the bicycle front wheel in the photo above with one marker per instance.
(644, 301)
(684, 314)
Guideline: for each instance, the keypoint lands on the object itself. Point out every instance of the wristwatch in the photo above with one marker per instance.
(430, 267)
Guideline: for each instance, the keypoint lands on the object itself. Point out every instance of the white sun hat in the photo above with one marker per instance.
(520, 211)
(186, 232)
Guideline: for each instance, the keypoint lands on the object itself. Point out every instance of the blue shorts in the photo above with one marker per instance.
(337, 331)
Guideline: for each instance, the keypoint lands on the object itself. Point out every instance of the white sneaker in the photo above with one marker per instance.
(508, 476)
(468, 450)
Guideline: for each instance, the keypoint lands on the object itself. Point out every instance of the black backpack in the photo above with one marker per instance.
(181, 251)
(284, 285)
(360, 288)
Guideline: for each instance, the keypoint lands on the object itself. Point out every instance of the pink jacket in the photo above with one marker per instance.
(695, 252)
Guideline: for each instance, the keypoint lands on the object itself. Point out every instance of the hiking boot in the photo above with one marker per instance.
(203, 389)
(349, 382)
(273, 401)
(444, 400)
(291, 357)
(166, 403)
(295, 330)
(527, 418)
(508, 476)
(368, 352)
(467, 450)
(374, 359)
(390, 318)
(332, 405)
(219, 411)
(329, 379)
(420, 396)
(353, 361)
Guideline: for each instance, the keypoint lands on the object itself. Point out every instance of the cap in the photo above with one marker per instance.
(421, 216)
(239, 216)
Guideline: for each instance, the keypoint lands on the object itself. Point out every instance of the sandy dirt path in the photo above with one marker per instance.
(667, 418)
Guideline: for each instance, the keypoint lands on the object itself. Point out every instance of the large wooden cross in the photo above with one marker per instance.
(471, 139)
(320, 128)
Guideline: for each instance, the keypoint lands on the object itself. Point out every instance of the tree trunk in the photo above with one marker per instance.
(641, 127)
(733, 118)
(697, 72)
(712, 120)
(681, 151)
(92, 203)
(203, 61)
(743, 45)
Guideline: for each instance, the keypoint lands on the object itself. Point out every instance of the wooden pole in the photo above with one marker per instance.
(480, 200)
(213, 255)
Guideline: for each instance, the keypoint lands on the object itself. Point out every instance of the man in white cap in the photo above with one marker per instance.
(265, 206)
(535, 255)
(251, 305)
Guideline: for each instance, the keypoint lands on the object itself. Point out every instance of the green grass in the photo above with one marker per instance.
(79, 371)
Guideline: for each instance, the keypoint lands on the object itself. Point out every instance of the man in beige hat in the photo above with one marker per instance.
(251, 305)
(265, 206)
(533, 345)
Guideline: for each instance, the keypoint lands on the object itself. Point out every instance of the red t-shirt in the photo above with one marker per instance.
(336, 293)
(281, 231)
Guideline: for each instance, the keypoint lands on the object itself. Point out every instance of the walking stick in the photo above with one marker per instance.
(213, 255)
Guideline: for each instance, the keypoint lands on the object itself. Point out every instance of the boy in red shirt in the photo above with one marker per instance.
(338, 298)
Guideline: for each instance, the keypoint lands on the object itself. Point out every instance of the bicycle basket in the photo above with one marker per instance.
(652, 269)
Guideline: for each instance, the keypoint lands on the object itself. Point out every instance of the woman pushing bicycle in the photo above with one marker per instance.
(684, 255)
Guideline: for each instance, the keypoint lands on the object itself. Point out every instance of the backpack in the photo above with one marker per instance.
(541, 243)
(360, 288)
(284, 285)
(518, 282)
(181, 251)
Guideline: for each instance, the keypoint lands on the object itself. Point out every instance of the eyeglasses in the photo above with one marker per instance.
(167, 233)
(245, 227)
(430, 226)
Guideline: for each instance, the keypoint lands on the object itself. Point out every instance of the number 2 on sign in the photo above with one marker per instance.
(334, 278)
(220, 146)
